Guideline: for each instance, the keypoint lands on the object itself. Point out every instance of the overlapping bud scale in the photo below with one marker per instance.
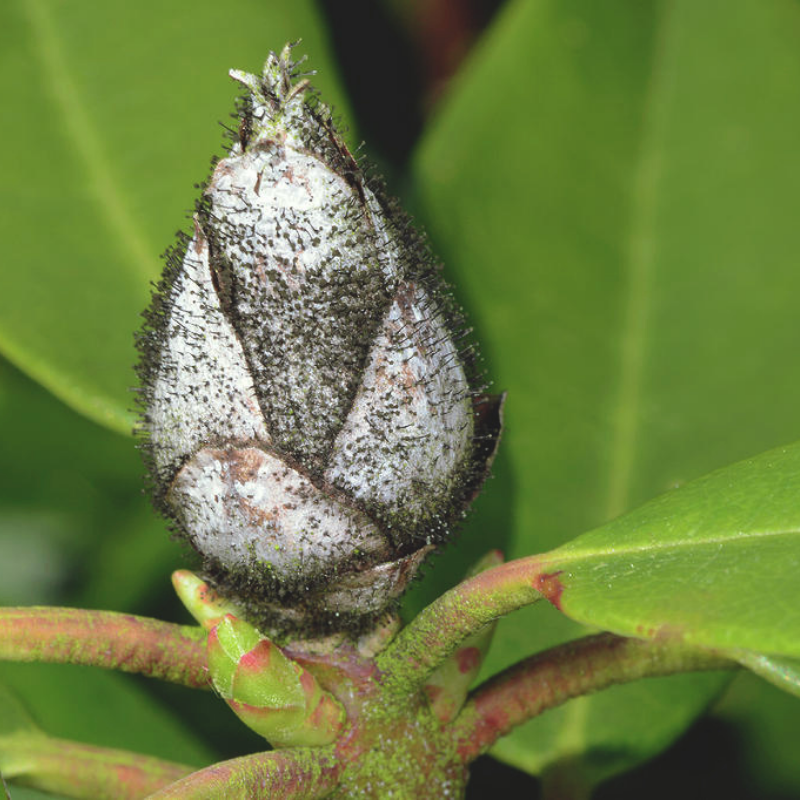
(313, 425)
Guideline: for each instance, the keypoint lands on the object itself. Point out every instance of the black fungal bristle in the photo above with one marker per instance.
(349, 362)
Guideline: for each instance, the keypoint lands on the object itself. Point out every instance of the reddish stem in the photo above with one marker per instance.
(105, 639)
(297, 774)
(441, 627)
(82, 770)
(550, 678)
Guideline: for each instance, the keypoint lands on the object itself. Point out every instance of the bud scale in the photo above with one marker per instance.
(312, 426)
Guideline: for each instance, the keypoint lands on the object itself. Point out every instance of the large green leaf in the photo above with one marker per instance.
(714, 563)
(111, 114)
(615, 185)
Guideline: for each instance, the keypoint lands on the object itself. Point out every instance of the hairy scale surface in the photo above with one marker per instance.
(313, 423)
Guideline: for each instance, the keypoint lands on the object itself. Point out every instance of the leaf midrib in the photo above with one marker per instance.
(652, 547)
(86, 141)
(640, 251)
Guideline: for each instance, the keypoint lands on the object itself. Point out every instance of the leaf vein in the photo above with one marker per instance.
(85, 139)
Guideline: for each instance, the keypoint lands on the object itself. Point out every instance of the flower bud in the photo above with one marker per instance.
(313, 424)
(269, 692)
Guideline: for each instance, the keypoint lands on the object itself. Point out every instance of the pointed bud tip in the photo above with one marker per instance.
(200, 600)
(494, 558)
(248, 80)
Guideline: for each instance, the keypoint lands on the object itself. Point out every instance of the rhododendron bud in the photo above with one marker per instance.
(313, 423)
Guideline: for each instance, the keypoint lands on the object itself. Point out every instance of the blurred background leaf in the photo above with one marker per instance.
(617, 186)
(112, 117)
(613, 188)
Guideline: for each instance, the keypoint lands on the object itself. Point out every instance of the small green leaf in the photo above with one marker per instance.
(14, 718)
(24, 793)
(767, 732)
(599, 736)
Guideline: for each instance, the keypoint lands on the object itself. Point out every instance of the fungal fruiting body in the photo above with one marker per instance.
(311, 418)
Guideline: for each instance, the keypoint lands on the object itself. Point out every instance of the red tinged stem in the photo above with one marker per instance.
(439, 629)
(174, 653)
(298, 774)
(548, 679)
(81, 770)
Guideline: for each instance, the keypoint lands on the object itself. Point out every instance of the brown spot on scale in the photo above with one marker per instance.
(468, 659)
(433, 691)
(243, 463)
(199, 241)
(550, 586)
(255, 661)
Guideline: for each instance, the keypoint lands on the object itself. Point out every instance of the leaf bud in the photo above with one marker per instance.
(269, 692)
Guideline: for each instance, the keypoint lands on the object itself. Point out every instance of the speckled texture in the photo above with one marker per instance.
(202, 374)
(244, 499)
(312, 421)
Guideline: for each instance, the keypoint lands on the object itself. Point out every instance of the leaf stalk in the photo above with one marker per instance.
(174, 653)
(548, 679)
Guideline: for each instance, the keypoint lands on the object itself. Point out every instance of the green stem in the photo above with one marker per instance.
(296, 774)
(440, 628)
(79, 770)
(550, 678)
(105, 639)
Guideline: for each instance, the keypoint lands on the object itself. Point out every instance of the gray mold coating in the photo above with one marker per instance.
(312, 424)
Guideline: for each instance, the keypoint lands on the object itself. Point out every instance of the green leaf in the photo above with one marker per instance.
(101, 708)
(713, 563)
(14, 717)
(112, 114)
(593, 738)
(23, 793)
(614, 186)
(74, 526)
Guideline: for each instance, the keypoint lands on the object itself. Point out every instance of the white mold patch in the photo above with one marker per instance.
(247, 509)
(410, 429)
(312, 277)
(202, 390)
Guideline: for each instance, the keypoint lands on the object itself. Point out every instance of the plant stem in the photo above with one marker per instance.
(297, 774)
(82, 770)
(439, 629)
(105, 639)
(550, 678)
